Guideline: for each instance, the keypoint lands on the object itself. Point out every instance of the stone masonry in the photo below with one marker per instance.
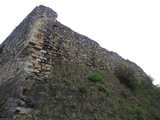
(31, 49)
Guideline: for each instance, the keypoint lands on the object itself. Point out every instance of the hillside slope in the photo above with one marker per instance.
(49, 72)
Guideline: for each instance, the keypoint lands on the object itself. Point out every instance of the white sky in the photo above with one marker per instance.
(129, 27)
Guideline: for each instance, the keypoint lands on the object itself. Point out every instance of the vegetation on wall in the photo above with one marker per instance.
(127, 76)
(71, 94)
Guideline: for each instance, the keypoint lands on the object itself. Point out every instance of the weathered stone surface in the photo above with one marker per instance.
(29, 54)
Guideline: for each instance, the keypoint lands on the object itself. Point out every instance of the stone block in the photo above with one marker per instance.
(43, 51)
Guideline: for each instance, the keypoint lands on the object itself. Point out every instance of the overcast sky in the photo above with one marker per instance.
(129, 27)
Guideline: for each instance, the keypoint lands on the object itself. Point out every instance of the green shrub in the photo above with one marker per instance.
(126, 75)
(139, 113)
(154, 91)
(83, 89)
(147, 82)
(95, 77)
(155, 113)
(101, 87)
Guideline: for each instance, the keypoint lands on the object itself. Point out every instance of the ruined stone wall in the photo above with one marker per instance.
(15, 52)
(78, 49)
(75, 48)
(50, 40)
(39, 40)
(35, 46)
(39, 47)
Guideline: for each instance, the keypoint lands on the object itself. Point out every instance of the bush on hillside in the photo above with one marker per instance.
(127, 76)
(95, 77)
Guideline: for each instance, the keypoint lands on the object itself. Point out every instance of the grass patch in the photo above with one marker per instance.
(95, 77)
